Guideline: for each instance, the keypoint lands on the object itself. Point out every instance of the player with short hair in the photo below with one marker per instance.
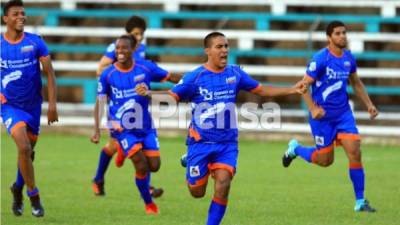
(212, 140)
(135, 26)
(129, 118)
(331, 118)
(21, 99)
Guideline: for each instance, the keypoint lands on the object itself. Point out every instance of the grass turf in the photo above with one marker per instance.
(262, 192)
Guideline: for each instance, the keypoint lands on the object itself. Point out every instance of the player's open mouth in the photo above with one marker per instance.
(120, 56)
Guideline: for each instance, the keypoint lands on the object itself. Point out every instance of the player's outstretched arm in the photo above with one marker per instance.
(174, 77)
(360, 91)
(271, 91)
(52, 115)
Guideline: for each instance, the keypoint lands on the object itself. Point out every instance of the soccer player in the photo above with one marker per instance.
(128, 113)
(331, 118)
(21, 99)
(135, 26)
(212, 140)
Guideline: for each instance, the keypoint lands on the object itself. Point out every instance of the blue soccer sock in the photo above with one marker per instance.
(104, 161)
(142, 183)
(357, 177)
(216, 211)
(305, 152)
(19, 182)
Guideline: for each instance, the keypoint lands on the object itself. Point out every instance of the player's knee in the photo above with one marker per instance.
(197, 193)
(154, 164)
(25, 150)
(326, 162)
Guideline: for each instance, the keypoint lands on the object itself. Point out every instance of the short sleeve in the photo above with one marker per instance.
(102, 84)
(110, 52)
(315, 67)
(246, 82)
(42, 48)
(184, 89)
(353, 62)
(157, 74)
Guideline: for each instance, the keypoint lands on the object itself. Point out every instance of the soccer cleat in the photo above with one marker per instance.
(17, 205)
(151, 209)
(98, 188)
(37, 208)
(290, 154)
(156, 192)
(120, 159)
(184, 160)
(363, 206)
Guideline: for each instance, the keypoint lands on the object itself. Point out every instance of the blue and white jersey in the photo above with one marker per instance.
(127, 109)
(140, 52)
(213, 96)
(21, 82)
(331, 74)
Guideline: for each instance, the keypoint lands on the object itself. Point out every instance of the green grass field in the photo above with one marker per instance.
(263, 192)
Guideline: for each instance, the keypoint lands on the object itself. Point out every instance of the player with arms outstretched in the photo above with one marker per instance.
(213, 136)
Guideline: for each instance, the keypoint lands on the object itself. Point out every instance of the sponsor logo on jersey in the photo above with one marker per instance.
(11, 77)
(347, 63)
(3, 63)
(206, 94)
(139, 77)
(231, 80)
(27, 48)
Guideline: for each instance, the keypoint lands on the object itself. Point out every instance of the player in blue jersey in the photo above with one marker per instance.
(21, 99)
(212, 140)
(135, 26)
(331, 118)
(129, 118)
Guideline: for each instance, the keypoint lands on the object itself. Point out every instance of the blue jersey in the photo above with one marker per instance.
(21, 82)
(140, 52)
(213, 96)
(331, 74)
(127, 109)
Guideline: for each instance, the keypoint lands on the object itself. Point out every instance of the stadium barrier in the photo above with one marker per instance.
(387, 8)
(262, 21)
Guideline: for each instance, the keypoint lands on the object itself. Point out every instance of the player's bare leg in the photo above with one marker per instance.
(25, 152)
(356, 172)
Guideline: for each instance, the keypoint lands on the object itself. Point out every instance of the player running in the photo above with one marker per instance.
(135, 26)
(213, 136)
(129, 118)
(21, 99)
(331, 118)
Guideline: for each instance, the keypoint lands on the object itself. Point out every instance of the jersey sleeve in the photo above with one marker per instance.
(353, 63)
(110, 52)
(184, 89)
(103, 84)
(246, 82)
(157, 74)
(42, 50)
(315, 67)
